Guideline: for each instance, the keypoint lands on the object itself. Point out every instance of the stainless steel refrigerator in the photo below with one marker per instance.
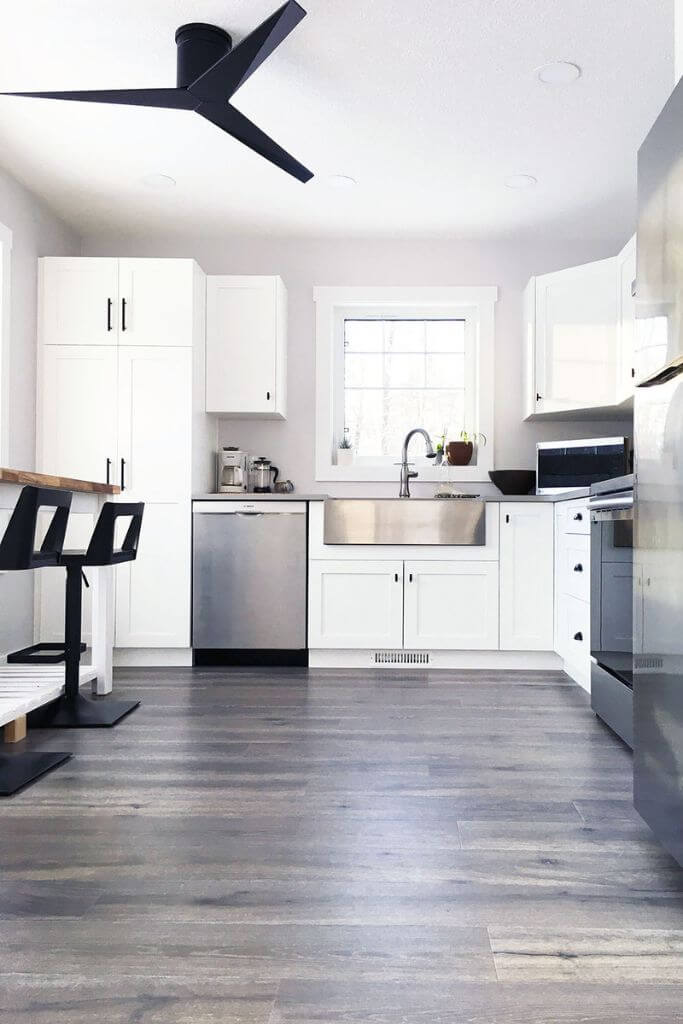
(658, 519)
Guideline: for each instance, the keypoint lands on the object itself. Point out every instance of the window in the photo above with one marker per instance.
(403, 372)
(389, 359)
(5, 259)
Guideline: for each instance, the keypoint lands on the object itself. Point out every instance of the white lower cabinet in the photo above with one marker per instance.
(451, 605)
(572, 589)
(526, 576)
(355, 604)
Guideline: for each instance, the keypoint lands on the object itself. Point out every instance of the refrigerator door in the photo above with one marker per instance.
(659, 270)
(658, 606)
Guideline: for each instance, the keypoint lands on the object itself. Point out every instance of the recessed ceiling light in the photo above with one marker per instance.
(521, 181)
(341, 181)
(558, 72)
(158, 181)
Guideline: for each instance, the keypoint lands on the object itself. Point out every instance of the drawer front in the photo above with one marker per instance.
(576, 517)
(574, 630)
(574, 566)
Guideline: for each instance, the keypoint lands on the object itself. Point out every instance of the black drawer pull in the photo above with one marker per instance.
(395, 577)
(123, 315)
(578, 636)
(578, 516)
(109, 305)
(578, 567)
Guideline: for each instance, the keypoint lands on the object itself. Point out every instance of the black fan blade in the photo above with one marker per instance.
(226, 76)
(241, 128)
(173, 99)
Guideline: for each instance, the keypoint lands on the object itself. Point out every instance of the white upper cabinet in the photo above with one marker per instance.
(246, 344)
(526, 576)
(626, 320)
(78, 301)
(90, 301)
(156, 304)
(576, 337)
(451, 606)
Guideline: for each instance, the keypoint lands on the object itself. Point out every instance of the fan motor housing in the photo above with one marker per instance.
(199, 47)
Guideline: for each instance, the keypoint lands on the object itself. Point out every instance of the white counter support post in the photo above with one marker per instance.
(102, 582)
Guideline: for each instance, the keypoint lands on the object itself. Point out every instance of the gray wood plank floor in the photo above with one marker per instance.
(292, 847)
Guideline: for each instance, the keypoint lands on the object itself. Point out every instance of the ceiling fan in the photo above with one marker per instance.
(209, 72)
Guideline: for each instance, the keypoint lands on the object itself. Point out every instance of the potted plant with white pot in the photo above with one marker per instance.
(345, 451)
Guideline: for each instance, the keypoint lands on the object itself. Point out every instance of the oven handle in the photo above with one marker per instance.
(611, 510)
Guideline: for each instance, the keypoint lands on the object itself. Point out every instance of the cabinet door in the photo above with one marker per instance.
(153, 592)
(155, 422)
(155, 443)
(451, 606)
(576, 331)
(626, 323)
(77, 411)
(156, 304)
(78, 301)
(245, 345)
(529, 342)
(526, 576)
(355, 604)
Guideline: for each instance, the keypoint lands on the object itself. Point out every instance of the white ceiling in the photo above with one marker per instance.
(430, 106)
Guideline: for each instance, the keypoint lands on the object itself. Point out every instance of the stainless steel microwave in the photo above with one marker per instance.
(561, 465)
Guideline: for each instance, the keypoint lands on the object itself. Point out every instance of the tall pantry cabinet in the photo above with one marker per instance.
(121, 399)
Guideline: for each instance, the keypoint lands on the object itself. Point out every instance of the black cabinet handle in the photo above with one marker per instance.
(123, 474)
(507, 517)
(578, 636)
(410, 577)
(108, 469)
(395, 577)
(123, 314)
(109, 305)
(539, 398)
(578, 516)
(578, 567)
(267, 396)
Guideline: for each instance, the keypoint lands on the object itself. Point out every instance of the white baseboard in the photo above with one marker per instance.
(532, 660)
(581, 674)
(152, 657)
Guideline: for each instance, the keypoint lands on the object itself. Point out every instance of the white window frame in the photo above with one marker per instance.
(5, 321)
(333, 305)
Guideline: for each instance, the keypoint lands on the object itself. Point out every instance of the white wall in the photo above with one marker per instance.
(36, 232)
(304, 264)
(678, 40)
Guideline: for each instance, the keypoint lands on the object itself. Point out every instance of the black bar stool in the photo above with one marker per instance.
(18, 552)
(73, 710)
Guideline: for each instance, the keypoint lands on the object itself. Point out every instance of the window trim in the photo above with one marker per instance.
(5, 325)
(475, 304)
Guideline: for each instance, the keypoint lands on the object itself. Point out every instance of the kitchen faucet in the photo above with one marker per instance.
(406, 474)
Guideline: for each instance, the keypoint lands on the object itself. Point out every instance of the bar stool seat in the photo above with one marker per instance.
(25, 688)
(74, 710)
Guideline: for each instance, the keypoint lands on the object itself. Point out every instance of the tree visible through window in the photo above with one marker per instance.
(399, 374)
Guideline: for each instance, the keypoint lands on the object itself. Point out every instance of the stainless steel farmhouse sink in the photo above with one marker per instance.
(405, 521)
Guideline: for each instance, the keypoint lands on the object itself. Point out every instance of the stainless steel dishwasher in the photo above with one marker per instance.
(248, 578)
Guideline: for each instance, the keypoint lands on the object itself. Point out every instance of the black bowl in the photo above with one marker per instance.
(513, 481)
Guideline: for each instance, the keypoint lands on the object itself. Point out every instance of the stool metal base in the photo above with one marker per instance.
(81, 713)
(20, 769)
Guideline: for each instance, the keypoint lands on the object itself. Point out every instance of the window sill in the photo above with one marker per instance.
(390, 474)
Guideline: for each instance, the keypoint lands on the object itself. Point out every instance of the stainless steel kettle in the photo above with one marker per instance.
(264, 475)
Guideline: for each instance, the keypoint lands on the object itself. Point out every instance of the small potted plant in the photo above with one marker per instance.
(440, 448)
(345, 451)
(460, 452)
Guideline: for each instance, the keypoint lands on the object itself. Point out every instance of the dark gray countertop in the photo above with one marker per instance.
(577, 492)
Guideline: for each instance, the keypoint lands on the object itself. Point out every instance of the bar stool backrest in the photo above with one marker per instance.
(17, 547)
(101, 550)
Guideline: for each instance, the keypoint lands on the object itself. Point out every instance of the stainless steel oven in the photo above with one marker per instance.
(562, 465)
(611, 512)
